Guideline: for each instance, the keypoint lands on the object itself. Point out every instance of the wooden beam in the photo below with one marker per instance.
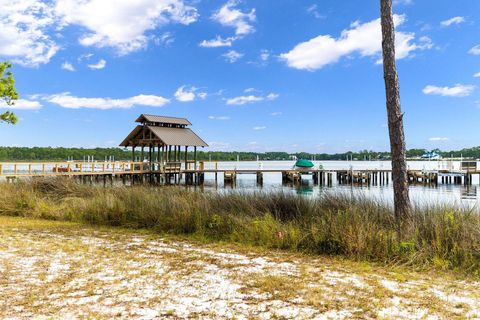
(195, 157)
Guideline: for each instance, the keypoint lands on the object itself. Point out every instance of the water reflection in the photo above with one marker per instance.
(421, 194)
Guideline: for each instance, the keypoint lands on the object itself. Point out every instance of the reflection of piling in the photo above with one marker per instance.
(229, 177)
(259, 177)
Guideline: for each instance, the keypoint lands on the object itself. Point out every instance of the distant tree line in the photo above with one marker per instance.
(100, 154)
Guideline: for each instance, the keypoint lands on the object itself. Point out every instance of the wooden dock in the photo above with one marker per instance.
(193, 173)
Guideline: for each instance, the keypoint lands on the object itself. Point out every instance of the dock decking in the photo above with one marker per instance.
(194, 173)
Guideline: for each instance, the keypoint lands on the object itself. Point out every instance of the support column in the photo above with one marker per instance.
(195, 157)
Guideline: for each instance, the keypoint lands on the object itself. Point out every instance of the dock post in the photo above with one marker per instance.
(259, 178)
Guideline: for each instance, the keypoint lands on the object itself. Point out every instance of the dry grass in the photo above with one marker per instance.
(441, 238)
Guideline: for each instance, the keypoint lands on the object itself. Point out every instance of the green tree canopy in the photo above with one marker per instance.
(8, 93)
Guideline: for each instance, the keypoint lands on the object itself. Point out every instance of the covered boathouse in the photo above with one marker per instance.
(164, 143)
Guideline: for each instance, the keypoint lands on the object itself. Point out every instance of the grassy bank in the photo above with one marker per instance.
(356, 228)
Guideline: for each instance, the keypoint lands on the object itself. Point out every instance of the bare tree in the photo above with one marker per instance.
(395, 116)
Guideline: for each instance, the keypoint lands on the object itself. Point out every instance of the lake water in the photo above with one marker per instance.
(419, 193)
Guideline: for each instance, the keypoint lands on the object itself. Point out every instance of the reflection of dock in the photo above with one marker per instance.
(194, 173)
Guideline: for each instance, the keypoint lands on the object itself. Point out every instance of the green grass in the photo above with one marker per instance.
(333, 224)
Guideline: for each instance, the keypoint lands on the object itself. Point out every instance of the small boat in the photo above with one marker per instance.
(303, 164)
(431, 155)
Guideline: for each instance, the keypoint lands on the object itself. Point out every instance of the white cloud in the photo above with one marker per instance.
(21, 104)
(275, 114)
(439, 139)
(272, 96)
(23, 32)
(454, 20)
(248, 90)
(459, 90)
(85, 56)
(404, 2)
(202, 95)
(264, 55)
(477, 75)
(66, 100)
(99, 65)
(217, 42)
(218, 145)
(242, 100)
(219, 118)
(239, 101)
(165, 38)
(313, 9)
(68, 66)
(122, 24)
(364, 39)
(259, 128)
(232, 56)
(184, 94)
(475, 50)
(230, 16)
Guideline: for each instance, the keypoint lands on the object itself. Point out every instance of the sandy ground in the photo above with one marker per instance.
(66, 271)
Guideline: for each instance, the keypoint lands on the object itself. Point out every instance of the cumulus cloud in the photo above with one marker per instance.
(228, 15)
(68, 66)
(362, 38)
(21, 104)
(99, 65)
(459, 90)
(242, 100)
(454, 20)
(185, 94)
(232, 56)
(26, 25)
(477, 75)
(217, 42)
(475, 50)
(66, 100)
(23, 32)
(122, 24)
(258, 128)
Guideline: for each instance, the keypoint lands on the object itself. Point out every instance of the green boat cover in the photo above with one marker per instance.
(302, 163)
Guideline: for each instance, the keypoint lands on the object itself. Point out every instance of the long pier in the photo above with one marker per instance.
(194, 173)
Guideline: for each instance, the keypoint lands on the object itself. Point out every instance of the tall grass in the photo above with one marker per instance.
(333, 224)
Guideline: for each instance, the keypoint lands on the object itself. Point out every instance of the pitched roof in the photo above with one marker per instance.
(131, 136)
(162, 119)
(168, 136)
(178, 136)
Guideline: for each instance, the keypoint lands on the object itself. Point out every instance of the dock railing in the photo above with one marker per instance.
(31, 169)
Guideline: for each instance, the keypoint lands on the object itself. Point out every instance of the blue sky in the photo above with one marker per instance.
(288, 75)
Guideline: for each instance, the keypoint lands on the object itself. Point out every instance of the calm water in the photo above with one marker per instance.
(420, 194)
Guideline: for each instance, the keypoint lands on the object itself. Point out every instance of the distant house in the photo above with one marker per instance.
(431, 155)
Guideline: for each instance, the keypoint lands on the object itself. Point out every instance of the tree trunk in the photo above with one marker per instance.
(395, 116)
